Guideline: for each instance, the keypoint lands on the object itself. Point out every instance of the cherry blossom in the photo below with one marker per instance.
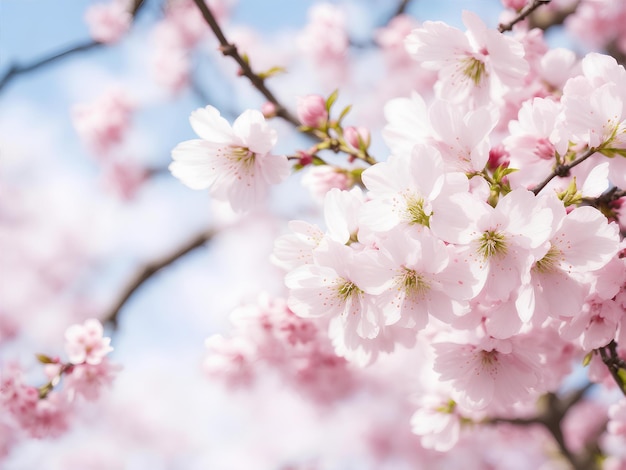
(234, 162)
(86, 344)
(478, 64)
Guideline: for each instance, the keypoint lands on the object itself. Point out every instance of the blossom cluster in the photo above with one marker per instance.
(45, 411)
(269, 333)
(481, 233)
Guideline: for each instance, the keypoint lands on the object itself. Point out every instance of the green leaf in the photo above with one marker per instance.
(345, 111)
(587, 359)
(44, 359)
(621, 374)
(331, 100)
(271, 72)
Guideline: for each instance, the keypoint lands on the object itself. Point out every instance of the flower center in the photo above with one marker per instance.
(415, 210)
(489, 357)
(473, 69)
(548, 263)
(414, 283)
(241, 154)
(492, 243)
(347, 290)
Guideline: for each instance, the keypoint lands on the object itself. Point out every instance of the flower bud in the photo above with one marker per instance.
(269, 110)
(353, 134)
(514, 4)
(312, 110)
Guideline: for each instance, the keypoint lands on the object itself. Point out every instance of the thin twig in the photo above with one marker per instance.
(563, 170)
(522, 14)
(229, 49)
(146, 272)
(16, 69)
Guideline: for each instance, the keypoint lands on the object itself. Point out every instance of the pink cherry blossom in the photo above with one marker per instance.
(103, 123)
(337, 287)
(320, 179)
(424, 277)
(108, 22)
(324, 38)
(582, 241)
(617, 418)
(234, 162)
(85, 343)
(402, 189)
(437, 422)
(488, 373)
(476, 65)
(88, 380)
(504, 240)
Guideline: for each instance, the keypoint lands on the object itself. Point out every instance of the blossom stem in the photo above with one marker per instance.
(522, 14)
(147, 271)
(16, 69)
(563, 170)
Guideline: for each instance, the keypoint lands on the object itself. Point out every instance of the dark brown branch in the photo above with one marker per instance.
(229, 49)
(404, 4)
(15, 70)
(147, 271)
(551, 418)
(545, 19)
(563, 170)
(522, 14)
(615, 364)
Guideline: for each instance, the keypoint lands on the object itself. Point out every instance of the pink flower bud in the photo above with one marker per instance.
(305, 158)
(312, 110)
(269, 110)
(545, 149)
(514, 4)
(498, 156)
(352, 135)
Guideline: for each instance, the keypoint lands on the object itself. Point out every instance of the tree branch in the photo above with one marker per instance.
(404, 4)
(229, 49)
(545, 19)
(522, 14)
(147, 271)
(615, 364)
(563, 170)
(17, 69)
(551, 418)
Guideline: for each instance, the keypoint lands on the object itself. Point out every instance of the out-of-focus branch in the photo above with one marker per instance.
(146, 272)
(546, 18)
(522, 14)
(616, 52)
(229, 49)
(554, 411)
(17, 69)
(404, 4)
